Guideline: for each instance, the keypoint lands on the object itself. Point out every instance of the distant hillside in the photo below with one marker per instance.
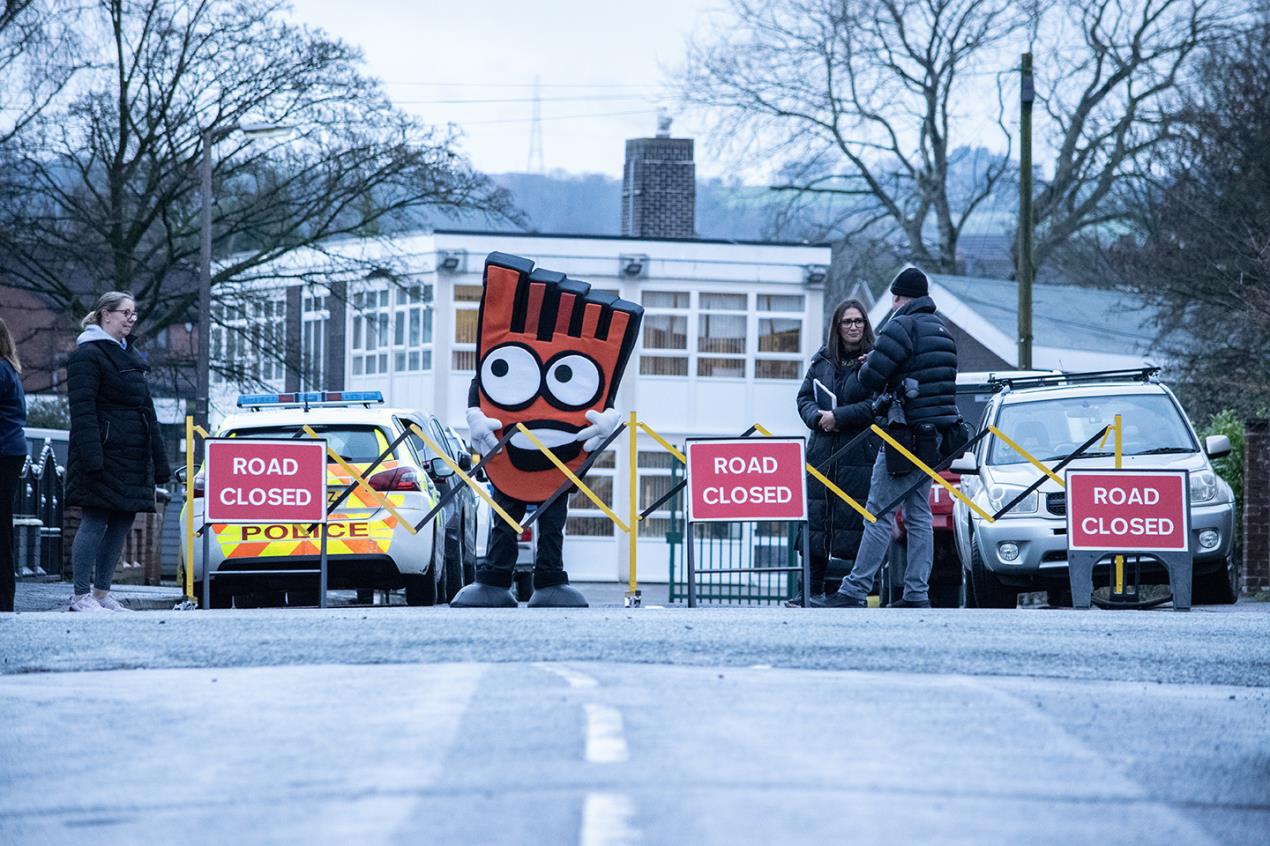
(591, 204)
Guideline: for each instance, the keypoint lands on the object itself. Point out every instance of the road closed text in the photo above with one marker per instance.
(265, 496)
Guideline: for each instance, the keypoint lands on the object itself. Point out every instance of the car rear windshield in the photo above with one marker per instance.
(1051, 429)
(357, 444)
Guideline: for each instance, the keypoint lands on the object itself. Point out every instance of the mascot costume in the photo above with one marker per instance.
(550, 354)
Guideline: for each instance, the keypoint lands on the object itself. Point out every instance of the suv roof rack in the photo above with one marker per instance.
(1136, 374)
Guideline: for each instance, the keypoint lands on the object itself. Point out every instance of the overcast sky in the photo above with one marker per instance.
(601, 64)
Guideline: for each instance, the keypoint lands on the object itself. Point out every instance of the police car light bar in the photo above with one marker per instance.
(306, 399)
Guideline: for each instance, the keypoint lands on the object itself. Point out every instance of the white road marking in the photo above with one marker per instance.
(607, 820)
(576, 680)
(605, 743)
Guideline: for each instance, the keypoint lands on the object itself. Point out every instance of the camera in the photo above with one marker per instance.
(891, 404)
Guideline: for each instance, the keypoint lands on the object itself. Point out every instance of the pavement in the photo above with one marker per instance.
(55, 596)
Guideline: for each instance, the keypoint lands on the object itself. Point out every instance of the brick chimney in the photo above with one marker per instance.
(659, 186)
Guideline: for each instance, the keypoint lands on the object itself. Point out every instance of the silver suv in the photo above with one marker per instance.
(1026, 548)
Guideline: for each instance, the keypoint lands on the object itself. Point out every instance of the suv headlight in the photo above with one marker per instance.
(1203, 486)
(1000, 495)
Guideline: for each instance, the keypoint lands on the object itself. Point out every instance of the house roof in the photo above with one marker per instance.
(1072, 327)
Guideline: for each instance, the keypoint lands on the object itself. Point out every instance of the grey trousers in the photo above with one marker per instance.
(877, 536)
(98, 544)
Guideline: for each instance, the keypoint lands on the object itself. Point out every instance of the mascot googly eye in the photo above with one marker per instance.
(549, 351)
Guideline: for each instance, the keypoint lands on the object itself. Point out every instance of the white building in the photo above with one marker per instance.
(728, 330)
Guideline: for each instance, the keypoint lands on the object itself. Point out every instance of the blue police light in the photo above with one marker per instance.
(305, 399)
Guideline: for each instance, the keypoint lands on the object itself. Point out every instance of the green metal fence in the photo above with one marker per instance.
(755, 547)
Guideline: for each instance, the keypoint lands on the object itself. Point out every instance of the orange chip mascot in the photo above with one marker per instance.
(550, 354)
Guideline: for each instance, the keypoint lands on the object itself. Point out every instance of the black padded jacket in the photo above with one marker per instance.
(116, 453)
(916, 344)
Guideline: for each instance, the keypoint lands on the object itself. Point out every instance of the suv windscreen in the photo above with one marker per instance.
(355, 444)
(1051, 429)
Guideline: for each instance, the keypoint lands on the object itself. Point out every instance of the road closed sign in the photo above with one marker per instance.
(252, 480)
(1128, 510)
(743, 479)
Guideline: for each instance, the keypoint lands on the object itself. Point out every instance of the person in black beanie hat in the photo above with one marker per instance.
(910, 282)
(913, 344)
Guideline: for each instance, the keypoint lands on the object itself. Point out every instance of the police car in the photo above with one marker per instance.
(368, 548)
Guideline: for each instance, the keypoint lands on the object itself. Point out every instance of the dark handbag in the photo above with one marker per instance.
(897, 464)
(926, 442)
(954, 437)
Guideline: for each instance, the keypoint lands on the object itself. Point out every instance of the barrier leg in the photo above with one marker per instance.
(806, 547)
(690, 564)
(1080, 573)
(207, 566)
(1181, 569)
(322, 568)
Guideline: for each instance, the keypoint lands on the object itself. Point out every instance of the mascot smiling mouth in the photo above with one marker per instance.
(555, 436)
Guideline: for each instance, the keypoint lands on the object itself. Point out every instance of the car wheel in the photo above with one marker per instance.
(221, 597)
(1220, 587)
(988, 590)
(524, 585)
(453, 577)
(421, 589)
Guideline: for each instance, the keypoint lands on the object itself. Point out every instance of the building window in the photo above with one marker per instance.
(313, 341)
(779, 320)
(370, 316)
(467, 302)
(412, 328)
(721, 335)
(665, 333)
(585, 520)
(249, 340)
(657, 475)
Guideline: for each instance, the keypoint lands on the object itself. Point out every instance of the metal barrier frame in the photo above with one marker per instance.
(207, 529)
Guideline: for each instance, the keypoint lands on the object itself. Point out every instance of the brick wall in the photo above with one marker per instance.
(659, 188)
(1256, 517)
(141, 559)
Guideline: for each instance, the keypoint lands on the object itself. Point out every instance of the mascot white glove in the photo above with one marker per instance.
(602, 425)
(482, 430)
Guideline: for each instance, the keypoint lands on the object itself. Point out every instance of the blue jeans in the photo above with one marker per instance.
(877, 536)
(98, 544)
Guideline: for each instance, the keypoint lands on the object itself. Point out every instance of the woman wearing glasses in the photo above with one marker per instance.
(116, 454)
(835, 419)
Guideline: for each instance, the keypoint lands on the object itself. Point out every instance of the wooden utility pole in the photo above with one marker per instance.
(1026, 96)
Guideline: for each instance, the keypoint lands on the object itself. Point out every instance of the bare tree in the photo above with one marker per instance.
(865, 98)
(1199, 248)
(37, 58)
(1108, 80)
(111, 196)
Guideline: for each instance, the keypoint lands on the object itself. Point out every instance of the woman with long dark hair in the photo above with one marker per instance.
(835, 528)
(12, 456)
(116, 454)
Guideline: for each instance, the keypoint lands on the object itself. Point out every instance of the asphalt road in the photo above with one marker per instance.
(608, 726)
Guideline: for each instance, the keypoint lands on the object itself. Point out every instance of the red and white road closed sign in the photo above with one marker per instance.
(1128, 510)
(265, 481)
(746, 479)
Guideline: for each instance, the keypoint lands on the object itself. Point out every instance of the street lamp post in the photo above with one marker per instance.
(210, 136)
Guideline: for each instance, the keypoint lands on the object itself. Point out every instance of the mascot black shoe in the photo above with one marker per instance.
(552, 590)
(488, 591)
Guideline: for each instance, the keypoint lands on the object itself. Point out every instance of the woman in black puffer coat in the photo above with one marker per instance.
(834, 526)
(116, 453)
